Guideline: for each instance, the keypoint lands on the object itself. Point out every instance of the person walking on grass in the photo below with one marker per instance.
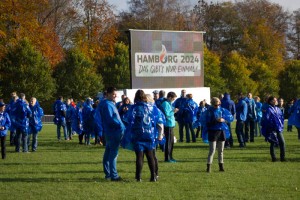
(4, 126)
(295, 117)
(35, 123)
(142, 119)
(216, 131)
(272, 128)
(113, 129)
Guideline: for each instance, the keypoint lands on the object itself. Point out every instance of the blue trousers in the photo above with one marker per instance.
(110, 156)
(21, 137)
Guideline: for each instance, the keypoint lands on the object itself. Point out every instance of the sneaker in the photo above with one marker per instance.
(170, 161)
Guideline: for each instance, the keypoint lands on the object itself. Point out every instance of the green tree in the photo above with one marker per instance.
(23, 69)
(115, 69)
(236, 75)
(76, 76)
(290, 80)
(212, 73)
(265, 78)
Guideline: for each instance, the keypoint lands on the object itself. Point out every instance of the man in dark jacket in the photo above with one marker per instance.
(228, 104)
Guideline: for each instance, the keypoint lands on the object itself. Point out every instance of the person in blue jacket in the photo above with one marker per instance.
(258, 116)
(272, 128)
(69, 113)
(169, 112)
(87, 121)
(251, 118)
(241, 117)
(141, 131)
(113, 129)
(190, 116)
(60, 111)
(228, 104)
(216, 131)
(35, 123)
(22, 114)
(4, 126)
(294, 119)
(77, 120)
(179, 104)
(10, 110)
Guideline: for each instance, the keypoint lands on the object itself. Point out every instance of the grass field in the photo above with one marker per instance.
(67, 170)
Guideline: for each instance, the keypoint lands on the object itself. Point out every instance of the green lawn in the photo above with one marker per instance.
(67, 170)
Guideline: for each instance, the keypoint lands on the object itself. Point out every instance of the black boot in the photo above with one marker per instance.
(208, 168)
(221, 167)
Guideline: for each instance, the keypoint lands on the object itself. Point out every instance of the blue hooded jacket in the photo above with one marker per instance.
(111, 121)
(179, 103)
(228, 104)
(241, 110)
(4, 122)
(142, 120)
(294, 119)
(87, 117)
(35, 121)
(209, 121)
(60, 110)
(22, 114)
(77, 119)
(190, 111)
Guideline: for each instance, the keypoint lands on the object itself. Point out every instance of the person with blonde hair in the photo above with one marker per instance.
(216, 131)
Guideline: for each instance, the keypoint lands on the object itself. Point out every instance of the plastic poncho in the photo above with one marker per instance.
(179, 103)
(251, 112)
(141, 132)
(190, 111)
(272, 123)
(60, 110)
(10, 109)
(87, 117)
(208, 121)
(111, 121)
(228, 104)
(258, 111)
(4, 122)
(22, 114)
(97, 122)
(241, 110)
(200, 112)
(35, 121)
(294, 119)
(77, 119)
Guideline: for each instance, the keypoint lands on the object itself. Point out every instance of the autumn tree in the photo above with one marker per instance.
(115, 69)
(19, 19)
(76, 76)
(96, 34)
(23, 69)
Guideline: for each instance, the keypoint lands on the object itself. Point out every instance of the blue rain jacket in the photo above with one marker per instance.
(200, 112)
(87, 117)
(10, 109)
(141, 131)
(272, 121)
(97, 122)
(228, 104)
(258, 111)
(294, 119)
(4, 122)
(77, 119)
(241, 110)
(190, 111)
(35, 121)
(251, 112)
(179, 103)
(60, 111)
(209, 121)
(111, 122)
(22, 114)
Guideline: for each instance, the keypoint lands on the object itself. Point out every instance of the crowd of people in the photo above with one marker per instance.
(148, 123)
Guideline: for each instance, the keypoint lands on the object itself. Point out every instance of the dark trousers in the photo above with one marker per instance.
(249, 126)
(12, 138)
(189, 127)
(298, 129)
(240, 132)
(140, 162)
(281, 147)
(199, 131)
(169, 134)
(181, 125)
(3, 148)
(21, 138)
(69, 129)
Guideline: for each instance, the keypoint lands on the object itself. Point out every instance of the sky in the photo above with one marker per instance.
(290, 5)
